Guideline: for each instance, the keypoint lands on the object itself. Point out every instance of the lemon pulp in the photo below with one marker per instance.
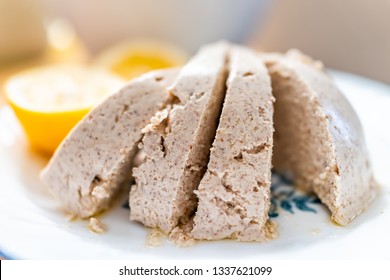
(133, 58)
(49, 101)
(135, 64)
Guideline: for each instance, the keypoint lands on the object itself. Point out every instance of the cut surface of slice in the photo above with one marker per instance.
(94, 160)
(234, 195)
(177, 143)
(318, 137)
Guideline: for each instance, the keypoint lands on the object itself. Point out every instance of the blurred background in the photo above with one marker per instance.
(350, 35)
(130, 37)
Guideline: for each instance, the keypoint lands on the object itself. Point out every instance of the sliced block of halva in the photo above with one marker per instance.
(319, 138)
(234, 194)
(94, 160)
(177, 143)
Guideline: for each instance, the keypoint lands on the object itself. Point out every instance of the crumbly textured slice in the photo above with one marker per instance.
(234, 194)
(319, 138)
(177, 147)
(94, 160)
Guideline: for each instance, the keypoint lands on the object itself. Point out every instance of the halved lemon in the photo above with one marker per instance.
(49, 101)
(63, 46)
(133, 58)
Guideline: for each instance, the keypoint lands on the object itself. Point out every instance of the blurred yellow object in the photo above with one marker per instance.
(133, 58)
(49, 101)
(63, 46)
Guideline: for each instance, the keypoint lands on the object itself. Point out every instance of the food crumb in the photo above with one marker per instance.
(271, 229)
(154, 238)
(181, 236)
(100, 192)
(156, 120)
(96, 226)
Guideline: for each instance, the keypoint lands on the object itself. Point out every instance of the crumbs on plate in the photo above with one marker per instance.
(96, 226)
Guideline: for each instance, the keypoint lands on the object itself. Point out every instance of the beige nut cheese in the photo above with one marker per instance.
(234, 195)
(177, 143)
(94, 160)
(318, 137)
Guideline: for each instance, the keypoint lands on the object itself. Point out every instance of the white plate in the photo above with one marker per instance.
(34, 227)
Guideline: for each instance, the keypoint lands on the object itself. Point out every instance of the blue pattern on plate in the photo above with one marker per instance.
(284, 196)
